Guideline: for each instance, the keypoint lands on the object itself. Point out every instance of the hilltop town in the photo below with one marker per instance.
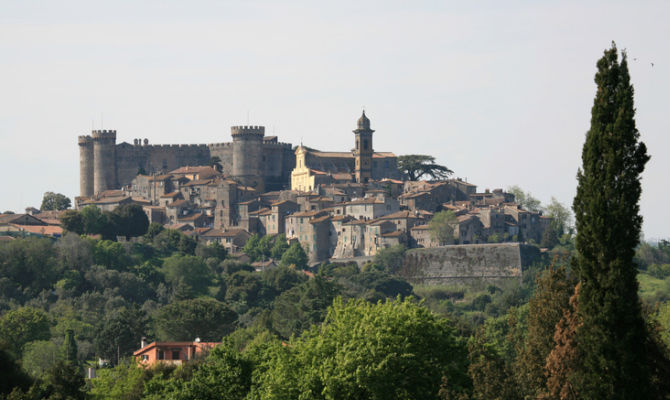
(338, 205)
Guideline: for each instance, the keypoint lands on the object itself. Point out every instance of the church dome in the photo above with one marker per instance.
(364, 122)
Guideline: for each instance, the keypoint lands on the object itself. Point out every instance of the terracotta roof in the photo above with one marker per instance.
(179, 203)
(198, 182)
(47, 230)
(413, 195)
(355, 222)
(420, 228)
(278, 203)
(171, 194)
(392, 234)
(6, 238)
(400, 214)
(163, 177)
(179, 227)
(319, 219)
(311, 213)
(233, 232)
(10, 218)
(191, 217)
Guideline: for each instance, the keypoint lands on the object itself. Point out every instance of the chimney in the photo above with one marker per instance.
(143, 342)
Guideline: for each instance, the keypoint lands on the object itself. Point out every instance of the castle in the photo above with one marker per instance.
(252, 159)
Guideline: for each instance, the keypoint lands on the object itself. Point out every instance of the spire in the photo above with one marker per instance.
(364, 122)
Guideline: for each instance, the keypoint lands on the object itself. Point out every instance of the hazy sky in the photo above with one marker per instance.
(500, 92)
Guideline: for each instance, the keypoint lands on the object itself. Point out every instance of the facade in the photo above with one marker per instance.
(251, 158)
(174, 353)
(362, 164)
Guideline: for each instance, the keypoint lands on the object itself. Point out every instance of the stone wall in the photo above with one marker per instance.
(467, 264)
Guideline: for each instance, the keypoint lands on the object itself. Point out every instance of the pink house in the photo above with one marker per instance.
(172, 352)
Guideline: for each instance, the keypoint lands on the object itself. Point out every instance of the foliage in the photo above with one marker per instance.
(215, 162)
(190, 271)
(389, 259)
(614, 363)
(525, 199)
(23, 325)
(442, 226)
(73, 221)
(206, 319)
(39, 356)
(561, 217)
(416, 166)
(395, 349)
(170, 240)
(125, 381)
(11, 374)
(295, 255)
(279, 247)
(225, 375)
(120, 333)
(547, 306)
(132, 220)
(491, 377)
(55, 201)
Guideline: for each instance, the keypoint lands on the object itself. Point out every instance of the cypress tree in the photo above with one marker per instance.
(611, 341)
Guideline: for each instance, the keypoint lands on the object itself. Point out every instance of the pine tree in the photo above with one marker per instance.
(611, 340)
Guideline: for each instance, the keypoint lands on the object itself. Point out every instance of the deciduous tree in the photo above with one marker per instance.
(55, 201)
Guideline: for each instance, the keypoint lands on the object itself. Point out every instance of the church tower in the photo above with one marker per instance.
(363, 151)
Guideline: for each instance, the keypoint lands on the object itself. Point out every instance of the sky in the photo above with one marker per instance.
(500, 92)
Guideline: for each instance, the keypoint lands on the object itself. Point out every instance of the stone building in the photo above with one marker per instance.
(314, 168)
(251, 158)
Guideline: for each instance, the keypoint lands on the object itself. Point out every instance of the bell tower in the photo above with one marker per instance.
(363, 151)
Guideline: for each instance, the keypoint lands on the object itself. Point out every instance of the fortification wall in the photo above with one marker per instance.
(468, 264)
(225, 152)
(157, 158)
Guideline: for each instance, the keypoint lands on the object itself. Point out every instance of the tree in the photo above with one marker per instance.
(207, 319)
(491, 377)
(120, 333)
(614, 363)
(24, 325)
(295, 255)
(561, 217)
(191, 270)
(251, 247)
(11, 374)
(391, 350)
(525, 199)
(279, 247)
(390, 259)
(442, 226)
(132, 220)
(55, 201)
(546, 308)
(39, 356)
(415, 166)
(72, 221)
(70, 348)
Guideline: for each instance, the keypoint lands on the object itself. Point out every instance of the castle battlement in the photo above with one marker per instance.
(85, 139)
(247, 130)
(220, 145)
(103, 134)
(280, 145)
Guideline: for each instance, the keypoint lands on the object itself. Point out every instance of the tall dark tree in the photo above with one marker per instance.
(416, 166)
(133, 220)
(614, 363)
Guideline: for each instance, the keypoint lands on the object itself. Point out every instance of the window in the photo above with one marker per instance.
(161, 355)
(176, 355)
(145, 357)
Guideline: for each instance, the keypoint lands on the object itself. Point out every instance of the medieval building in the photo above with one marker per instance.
(252, 159)
(360, 165)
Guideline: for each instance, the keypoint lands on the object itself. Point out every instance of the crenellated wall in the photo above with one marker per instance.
(104, 165)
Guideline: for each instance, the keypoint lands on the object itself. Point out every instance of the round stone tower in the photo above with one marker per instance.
(104, 160)
(85, 166)
(248, 155)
